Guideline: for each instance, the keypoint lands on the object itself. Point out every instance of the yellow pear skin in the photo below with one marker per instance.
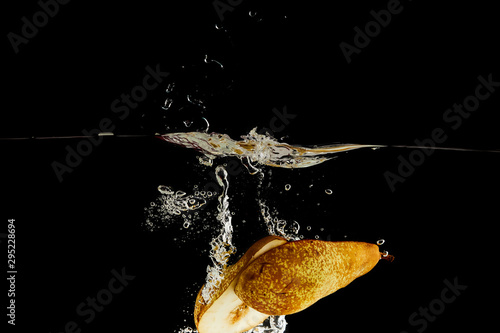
(291, 277)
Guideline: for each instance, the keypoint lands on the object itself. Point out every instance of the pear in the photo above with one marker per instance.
(277, 277)
(289, 278)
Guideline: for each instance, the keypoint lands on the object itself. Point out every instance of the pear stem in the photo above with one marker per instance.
(387, 256)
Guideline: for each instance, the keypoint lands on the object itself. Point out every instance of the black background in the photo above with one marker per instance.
(439, 224)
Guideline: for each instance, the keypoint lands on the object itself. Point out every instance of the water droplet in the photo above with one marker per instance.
(328, 191)
(295, 227)
(167, 104)
(212, 60)
(288, 187)
(208, 124)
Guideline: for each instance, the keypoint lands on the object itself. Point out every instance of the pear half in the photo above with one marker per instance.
(225, 312)
(277, 277)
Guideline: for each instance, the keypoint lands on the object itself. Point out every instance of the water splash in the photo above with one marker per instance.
(278, 227)
(221, 246)
(257, 149)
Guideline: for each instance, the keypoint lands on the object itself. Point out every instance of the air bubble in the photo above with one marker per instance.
(165, 189)
(308, 228)
(167, 104)
(380, 242)
(170, 87)
(328, 191)
(288, 187)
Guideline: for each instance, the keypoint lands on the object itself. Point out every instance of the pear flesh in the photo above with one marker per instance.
(277, 277)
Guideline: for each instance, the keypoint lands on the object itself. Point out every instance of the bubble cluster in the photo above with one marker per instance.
(278, 227)
(273, 324)
(171, 204)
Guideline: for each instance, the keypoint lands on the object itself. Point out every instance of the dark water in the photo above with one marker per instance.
(73, 236)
